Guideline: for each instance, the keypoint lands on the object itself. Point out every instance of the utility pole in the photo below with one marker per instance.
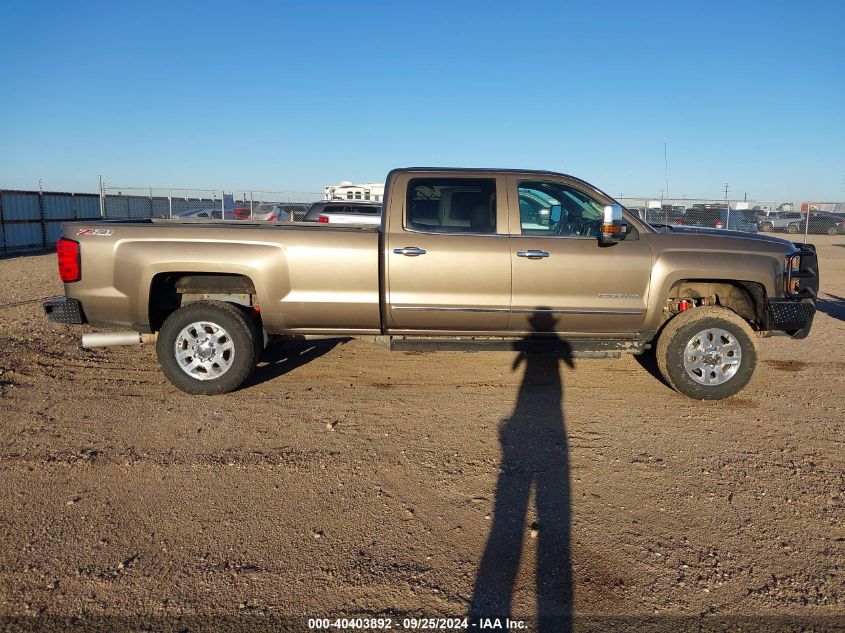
(666, 164)
(728, 205)
(102, 199)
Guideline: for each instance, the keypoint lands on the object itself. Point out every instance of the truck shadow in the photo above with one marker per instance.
(648, 361)
(535, 455)
(832, 307)
(283, 357)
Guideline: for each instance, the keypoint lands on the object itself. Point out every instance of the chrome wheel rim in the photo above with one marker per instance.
(204, 350)
(712, 357)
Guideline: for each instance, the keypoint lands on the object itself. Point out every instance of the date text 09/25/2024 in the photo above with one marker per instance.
(420, 624)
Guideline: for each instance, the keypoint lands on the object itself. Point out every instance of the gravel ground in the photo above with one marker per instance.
(349, 480)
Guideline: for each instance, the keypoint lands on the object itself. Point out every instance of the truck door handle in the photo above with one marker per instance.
(532, 254)
(410, 251)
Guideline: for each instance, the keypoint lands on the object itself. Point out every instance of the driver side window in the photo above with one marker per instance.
(552, 208)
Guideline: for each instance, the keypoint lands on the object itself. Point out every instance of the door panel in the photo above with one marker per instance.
(447, 254)
(462, 282)
(558, 267)
(588, 288)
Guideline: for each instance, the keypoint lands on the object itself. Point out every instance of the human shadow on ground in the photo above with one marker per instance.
(535, 455)
(833, 307)
(282, 357)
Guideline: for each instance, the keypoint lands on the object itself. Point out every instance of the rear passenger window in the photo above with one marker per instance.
(451, 205)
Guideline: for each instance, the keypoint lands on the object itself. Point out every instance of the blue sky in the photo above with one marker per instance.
(296, 95)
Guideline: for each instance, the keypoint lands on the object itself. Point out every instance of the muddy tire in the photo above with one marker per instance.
(793, 229)
(707, 353)
(208, 347)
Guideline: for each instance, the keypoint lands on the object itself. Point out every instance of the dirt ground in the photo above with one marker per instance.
(350, 480)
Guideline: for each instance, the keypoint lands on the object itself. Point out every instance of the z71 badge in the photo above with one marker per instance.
(96, 232)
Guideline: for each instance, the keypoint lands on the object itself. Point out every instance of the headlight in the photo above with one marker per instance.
(794, 261)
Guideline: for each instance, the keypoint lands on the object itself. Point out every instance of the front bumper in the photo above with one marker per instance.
(795, 317)
(64, 310)
(793, 314)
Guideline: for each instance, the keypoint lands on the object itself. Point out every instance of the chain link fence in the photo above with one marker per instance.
(32, 219)
(737, 215)
(213, 204)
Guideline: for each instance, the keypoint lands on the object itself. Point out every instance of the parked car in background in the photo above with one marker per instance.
(270, 212)
(720, 217)
(778, 221)
(210, 214)
(343, 212)
(665, 216)
(829, 223)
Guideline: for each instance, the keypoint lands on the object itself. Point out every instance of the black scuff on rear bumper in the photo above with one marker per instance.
(64, 310)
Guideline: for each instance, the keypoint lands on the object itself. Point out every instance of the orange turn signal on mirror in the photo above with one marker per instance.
(611, 229)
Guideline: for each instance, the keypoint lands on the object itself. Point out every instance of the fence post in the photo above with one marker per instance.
(43, 219)
(170, 206)
(102, 199)
(3, 225)
(806, 222)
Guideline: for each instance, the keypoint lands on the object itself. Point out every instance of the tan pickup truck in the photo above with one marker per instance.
(463, 259)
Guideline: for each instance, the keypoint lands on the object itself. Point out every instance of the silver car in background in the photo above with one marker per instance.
(344, 212)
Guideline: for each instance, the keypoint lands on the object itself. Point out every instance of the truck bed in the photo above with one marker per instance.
(321, 279)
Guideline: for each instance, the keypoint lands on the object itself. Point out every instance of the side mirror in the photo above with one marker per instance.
(613, 228)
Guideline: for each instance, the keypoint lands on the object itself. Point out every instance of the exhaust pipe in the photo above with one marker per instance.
(114, 339)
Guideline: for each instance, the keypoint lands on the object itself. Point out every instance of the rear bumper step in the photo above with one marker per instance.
(64, 310)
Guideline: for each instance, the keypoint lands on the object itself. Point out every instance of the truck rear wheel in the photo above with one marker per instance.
(707, 353)
(207, 347)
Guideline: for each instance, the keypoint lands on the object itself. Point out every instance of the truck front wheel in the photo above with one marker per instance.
(207, 347)
(707, 353)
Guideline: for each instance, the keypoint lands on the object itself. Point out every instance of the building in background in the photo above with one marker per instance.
(373, 191)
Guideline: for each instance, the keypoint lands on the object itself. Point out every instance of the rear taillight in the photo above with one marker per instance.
(720, 224)
(272, 218)
(68, 254)
(323, 219)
